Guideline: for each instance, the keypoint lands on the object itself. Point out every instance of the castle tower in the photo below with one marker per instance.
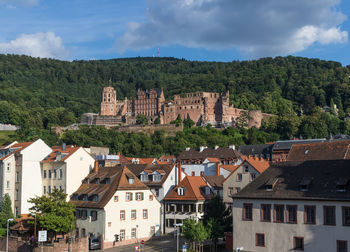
(109, 102)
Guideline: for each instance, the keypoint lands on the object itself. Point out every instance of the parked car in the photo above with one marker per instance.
(94, 243)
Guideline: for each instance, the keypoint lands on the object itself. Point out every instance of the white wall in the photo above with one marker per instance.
(279, 236)
(209, 169)
(31, 184)
(169, 183)
(8, 176)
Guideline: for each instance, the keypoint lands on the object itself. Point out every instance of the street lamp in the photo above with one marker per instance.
(7, 234)
(177, 235)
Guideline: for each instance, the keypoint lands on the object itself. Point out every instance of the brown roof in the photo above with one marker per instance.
(52, 157)
(215, 181)
(220, 153)
(193, 185)
(289, 178)
(230, 168)
(16, 148)
(259, 164)
(320, 151)
(213, 160)
(118, 180)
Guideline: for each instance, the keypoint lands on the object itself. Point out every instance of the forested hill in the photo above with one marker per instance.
(30, 86)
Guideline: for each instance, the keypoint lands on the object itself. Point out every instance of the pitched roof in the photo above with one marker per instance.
(15, 148)
(230, 168)
(256, 150)
(58, 154)
(287, 144)
(118, 179)
(193, 185)
(140, 160)
(213, 160)
(220, 153)
(259, 164)
(215, 181)
(288, 177)
(320, 151)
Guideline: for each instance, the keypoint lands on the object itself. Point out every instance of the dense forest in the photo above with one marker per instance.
(39, 93)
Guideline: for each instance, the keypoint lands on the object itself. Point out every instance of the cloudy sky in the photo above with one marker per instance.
(220, 30)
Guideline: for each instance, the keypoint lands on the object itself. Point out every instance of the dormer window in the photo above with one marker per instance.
(131, 181)
(84, 197)
(207, 190)
(144, 177)
(305, 184)
(246, 169)
(94, 198)
(270, 184)
(157, 177)
(181, 191)
(342, 184)
(75, 197)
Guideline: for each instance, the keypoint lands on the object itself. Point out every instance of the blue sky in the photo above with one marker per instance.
(214, 30)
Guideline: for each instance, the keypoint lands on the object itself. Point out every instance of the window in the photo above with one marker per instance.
(133, 233)
(260, 240)
(49, 189)
(239, 177)
(54, 174)
(237, 189)
(291, 214)
(122, 235)
(8, 184)
(310, 214)
(230, 191)
(49, 173)
(133, 214)
(181, 191)
(128, 196)
(116, 198)
(252, 176)
(83, 232)
(329, 215)
(193, 173)
(151, 197)
(83, 214)
(131, 181)
(153, 230)
(61, 188)
(157, 177)
(246, 169)
(77, 213)
(17, 194)
(144, 177)
(342, 246)
(145, 213)
(61, 174)
(247, 212)
(346, 216)
(93, 215)
(16, 211)
(139, 196)
(266, 212)
(17, 176)
(44, 189)
(122, 214)
(279, 213)
(44, 173)
(298, 243)
(8, 167)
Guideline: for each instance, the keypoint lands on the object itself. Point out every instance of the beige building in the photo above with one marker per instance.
(295, 206)
(64, 169)
(114, 203)
(241, 175)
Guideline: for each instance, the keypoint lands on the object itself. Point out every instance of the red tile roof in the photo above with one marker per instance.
(230, 168)
(16, 148)
(193, 185)
(259, 164)
(52, 157)
(213, 160)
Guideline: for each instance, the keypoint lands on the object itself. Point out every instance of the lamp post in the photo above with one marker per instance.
(177, 235)
(7, 234)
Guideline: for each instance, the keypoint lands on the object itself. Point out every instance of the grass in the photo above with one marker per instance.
(6, 136)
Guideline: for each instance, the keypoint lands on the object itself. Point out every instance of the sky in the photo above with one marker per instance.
(204, 30)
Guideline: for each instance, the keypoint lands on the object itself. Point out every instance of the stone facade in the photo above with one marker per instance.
(203, 108)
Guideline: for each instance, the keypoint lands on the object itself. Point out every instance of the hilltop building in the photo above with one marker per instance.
(204, 108)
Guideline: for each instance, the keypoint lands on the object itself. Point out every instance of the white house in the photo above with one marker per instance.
(295, 206)
(113, 204)
(64, 169)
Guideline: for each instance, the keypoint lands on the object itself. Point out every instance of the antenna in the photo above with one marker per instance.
(158, 52)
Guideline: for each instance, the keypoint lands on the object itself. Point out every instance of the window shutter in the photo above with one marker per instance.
(131, 196)
(142, 196)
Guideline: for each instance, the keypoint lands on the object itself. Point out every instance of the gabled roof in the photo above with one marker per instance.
(57, 150)
(220, 153)
(118, 181)
(320, 151)
(215, 181)
(194, 189)
(17, 147)
(323, 177)
(230, 168)
(259, 164)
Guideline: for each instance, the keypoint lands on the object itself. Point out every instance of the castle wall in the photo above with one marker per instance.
(109, 102)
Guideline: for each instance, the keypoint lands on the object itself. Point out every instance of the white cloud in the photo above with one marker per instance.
(43, 45)
(256, 27)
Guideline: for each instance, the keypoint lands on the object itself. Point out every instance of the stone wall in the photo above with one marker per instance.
(16, 244)
(79, 245)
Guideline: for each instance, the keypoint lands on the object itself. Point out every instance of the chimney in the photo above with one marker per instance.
(95, 170)
(63, 146)
(202, 148)
(217, 169)
(179, 175)
(216, 147)
(232, 146)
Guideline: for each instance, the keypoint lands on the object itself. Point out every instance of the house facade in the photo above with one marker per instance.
(295, 206)
(113, 204)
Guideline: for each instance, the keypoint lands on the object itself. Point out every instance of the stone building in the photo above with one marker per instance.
(148, 103)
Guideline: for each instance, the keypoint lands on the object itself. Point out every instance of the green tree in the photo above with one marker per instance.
(157, 120)
(6, 210)
(53, 212)
(195, 232)
(188, 122)
(141, 119)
